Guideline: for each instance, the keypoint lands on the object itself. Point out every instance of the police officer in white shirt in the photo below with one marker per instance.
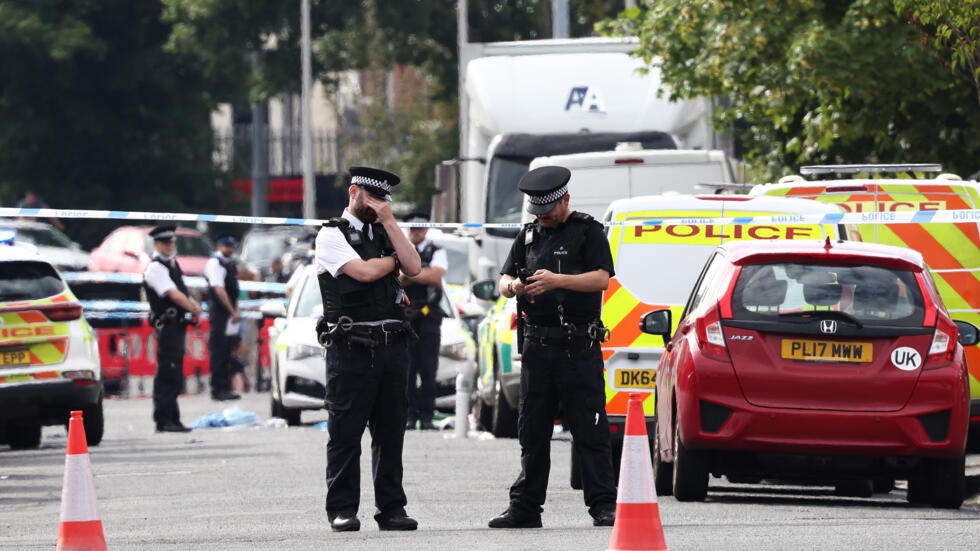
(221, 272)
(425, 313)
(358, 258)
(169, 306)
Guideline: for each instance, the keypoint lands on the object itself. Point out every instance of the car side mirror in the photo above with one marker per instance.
(657, 322)
(485, 289)
(969, 333)
(273, 309)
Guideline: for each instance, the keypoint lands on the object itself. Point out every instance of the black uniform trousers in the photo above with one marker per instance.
(219, 346)
(558, 374)
(365, 388)
(169, 377)
(423, 363)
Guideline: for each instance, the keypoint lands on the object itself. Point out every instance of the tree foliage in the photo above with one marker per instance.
(809, 81)
(955, 28)
(95, 114)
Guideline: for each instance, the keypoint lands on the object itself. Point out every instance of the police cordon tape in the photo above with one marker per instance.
(191, 281)
(893, 217)
(137, 306)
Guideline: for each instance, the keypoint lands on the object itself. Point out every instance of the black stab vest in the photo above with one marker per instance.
(231, 286)
(361, 301)
(560, 251)
(160, 304)
(425, 295)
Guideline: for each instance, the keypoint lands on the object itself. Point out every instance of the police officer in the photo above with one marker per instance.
(221, 273)
(557, 268)
(358, 257)
(169, 306)
(425, 294)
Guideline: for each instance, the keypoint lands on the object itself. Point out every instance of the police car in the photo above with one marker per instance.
(297, 361)
(49, 355)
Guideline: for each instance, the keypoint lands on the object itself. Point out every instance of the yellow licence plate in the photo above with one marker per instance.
(636, 378)
(15, 357)
(827, 351)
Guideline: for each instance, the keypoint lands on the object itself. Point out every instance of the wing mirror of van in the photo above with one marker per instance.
(969, 333)
(485, 289)
(657, 322)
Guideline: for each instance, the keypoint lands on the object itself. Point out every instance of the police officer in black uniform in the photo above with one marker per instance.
(221, 273)
(557, 268)
(171, 310)
(425, 314)
(358, 258)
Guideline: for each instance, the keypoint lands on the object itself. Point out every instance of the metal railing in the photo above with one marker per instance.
(233, 150)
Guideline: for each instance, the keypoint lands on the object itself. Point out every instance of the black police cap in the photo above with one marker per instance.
(375, 181)
(164, 232)
(544, 186)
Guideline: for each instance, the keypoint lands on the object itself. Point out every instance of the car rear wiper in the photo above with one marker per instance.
(824, 314)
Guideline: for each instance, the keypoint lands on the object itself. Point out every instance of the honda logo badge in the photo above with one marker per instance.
(828, 326)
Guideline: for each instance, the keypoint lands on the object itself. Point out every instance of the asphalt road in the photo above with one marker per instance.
(263, 488)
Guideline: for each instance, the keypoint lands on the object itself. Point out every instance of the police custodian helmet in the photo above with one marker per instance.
(544, 186)
(375, 181)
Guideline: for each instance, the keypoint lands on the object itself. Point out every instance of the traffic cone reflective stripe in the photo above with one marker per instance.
(81, 526)
(637, 513)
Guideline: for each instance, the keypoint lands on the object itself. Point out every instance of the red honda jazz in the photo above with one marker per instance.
(832, 362)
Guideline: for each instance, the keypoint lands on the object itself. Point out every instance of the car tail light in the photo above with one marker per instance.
(513, 321)
(63, 312)
(711, 338)
(943, 344)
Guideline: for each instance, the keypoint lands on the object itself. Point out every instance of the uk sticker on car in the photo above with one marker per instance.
(906, 358)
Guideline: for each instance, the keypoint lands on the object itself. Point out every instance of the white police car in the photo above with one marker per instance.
(49, 355)
(297, 361)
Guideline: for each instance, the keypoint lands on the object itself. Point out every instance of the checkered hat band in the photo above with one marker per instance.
(549, 198)
(365, 181)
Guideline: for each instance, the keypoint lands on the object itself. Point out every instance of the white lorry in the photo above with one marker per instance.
(522, 100)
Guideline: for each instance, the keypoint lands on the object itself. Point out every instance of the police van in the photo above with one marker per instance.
(656, 267)
(951, 250)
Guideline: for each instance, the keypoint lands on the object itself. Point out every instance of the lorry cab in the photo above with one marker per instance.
(656, 267)
(951, 250)
(630, 171)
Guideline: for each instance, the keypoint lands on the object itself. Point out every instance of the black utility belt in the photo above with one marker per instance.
(593, 330)
(382, 334)
(171, 317)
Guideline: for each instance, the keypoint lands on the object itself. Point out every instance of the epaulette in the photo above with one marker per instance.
(580, 216)
(337, 222)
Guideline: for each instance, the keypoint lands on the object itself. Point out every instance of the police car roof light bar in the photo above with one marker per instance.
(870, 168)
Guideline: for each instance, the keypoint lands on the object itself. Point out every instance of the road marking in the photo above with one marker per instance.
(167, 473)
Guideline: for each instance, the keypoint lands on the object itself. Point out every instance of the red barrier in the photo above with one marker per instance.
(137, 347)
(197, 359)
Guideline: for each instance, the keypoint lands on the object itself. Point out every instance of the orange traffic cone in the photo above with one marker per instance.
(81, 527)
(637, 514)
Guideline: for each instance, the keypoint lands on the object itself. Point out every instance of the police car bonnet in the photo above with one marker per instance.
(375, 181)
(544, 186)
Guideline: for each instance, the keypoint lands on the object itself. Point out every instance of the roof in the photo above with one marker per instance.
(648, 156)
(716, 205)
(13, 253)
(848, 252)
(181, 230)
(850, 185)
(541, 145)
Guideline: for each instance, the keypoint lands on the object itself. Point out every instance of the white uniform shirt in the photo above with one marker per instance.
(439, 258)
(158, 277)
(214, 272)
(332, 248)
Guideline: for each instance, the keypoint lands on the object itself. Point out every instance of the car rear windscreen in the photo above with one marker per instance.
(875, 295)
(28, 280)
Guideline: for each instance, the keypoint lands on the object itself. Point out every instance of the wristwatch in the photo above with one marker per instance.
(510, 287)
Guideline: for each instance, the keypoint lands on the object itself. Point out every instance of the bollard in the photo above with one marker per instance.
(463, 385)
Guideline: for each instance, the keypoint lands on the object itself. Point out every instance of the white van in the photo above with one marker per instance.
(600, 178)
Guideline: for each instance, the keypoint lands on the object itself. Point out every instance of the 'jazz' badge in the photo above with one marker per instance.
(906, 358)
